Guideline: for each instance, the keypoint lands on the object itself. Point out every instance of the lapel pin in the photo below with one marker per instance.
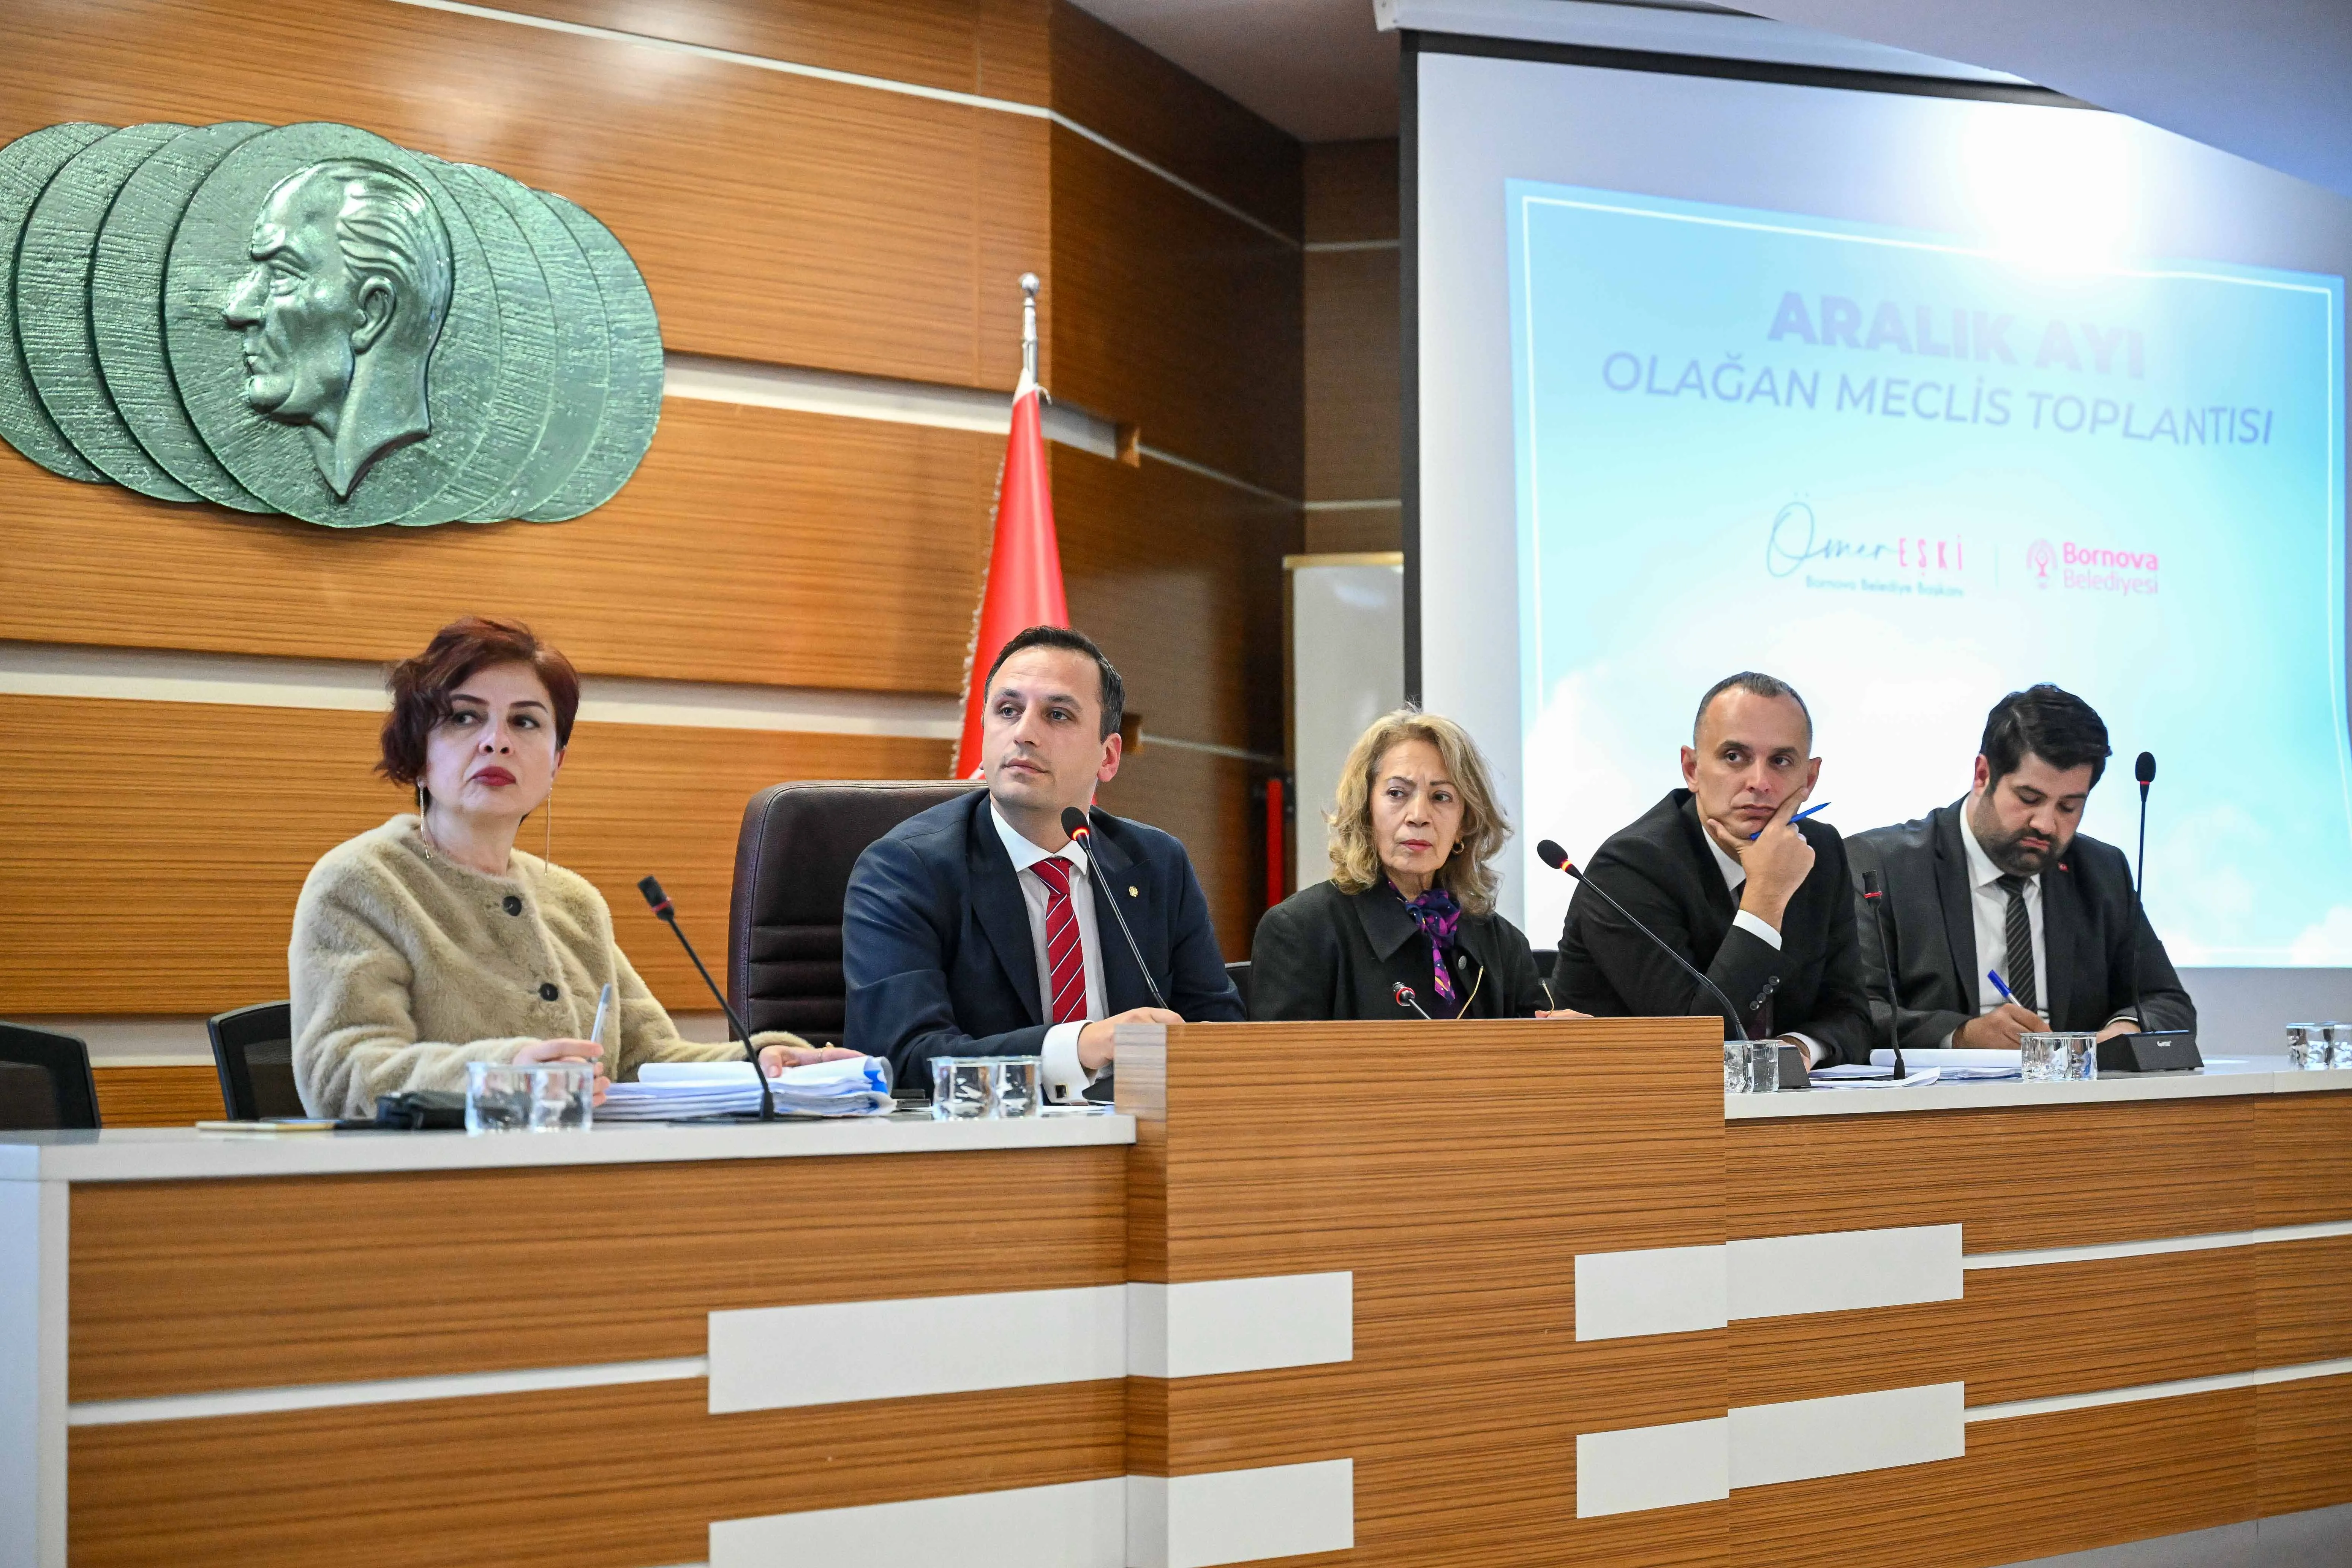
(1132, 893)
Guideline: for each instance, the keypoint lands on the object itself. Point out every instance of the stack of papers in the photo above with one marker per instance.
(1954, 1066)
(1853, 1075)
(684, 1091)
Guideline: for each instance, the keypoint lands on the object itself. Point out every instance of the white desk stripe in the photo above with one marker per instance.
(1211, 1326)
(1805, 1439)
(1651, 1290)
(1637, 1467)
(388, 1390)
(2267, 1236)
(1845, 1270)
(2177, 1389)
(1241, 1516)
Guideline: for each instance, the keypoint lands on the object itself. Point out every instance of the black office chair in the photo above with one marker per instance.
(792, 860)
(253, 1047)
(1239, 975)
(45, 1080)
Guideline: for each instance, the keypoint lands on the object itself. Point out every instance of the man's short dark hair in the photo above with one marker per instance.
(2057, 726)
(1748, 681)
(1114, 690)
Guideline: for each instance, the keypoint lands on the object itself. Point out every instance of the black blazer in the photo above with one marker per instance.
(2086, 936)
(934, 945)
(1662, 869)
(1323, 953)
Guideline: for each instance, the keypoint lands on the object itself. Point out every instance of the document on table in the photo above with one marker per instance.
(1853, 1075)
(685, 1091)
(1959, 1065)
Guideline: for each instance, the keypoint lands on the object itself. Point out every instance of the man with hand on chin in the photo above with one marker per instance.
(1722, 872)
(1999, 880)
(978, 927)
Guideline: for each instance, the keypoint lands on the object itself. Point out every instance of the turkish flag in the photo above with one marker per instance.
(1023, 587)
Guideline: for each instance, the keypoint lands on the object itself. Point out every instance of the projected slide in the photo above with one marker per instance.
(1909, 476)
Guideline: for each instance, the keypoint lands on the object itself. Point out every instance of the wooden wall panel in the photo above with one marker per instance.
(995, 48)
(1351, 191)
(156, 1097)
(754, 545)
(2030, 1487)
(1208, 803)
(1116, 88)
(593, 1477)
(317, 1280)
(2296, 1136)
(2303, 1289)
(776, 217)
(2304, 1444)
(1353, 401)
(1176, 317)
(2132, 1172)
(2021, 1333)
(154, 850)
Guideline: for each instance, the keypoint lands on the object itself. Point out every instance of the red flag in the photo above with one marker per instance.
(1023, 587)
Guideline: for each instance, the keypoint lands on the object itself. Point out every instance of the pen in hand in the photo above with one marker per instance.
(1793, 821)
(1999, 985)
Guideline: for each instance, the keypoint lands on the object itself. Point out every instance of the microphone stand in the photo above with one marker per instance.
(652, 889)
(1730, 1012)
(1875, 897)
(1075, 824)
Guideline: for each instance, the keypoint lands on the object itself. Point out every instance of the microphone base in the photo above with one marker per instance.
(2162, 1051)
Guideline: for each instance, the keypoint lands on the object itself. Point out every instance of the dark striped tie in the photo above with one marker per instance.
(2018, 930)
(1064, 956)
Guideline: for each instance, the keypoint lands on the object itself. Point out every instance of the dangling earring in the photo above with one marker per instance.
(548, 856)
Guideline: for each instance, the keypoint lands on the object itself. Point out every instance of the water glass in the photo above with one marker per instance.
(2340, 1045)
(1018, 1081)
(1735, 1067)
(2309, 1046)
(964, 1088)
(2042, 1059)
(530, 1096)
(1764, 1067)
(2082, 1056)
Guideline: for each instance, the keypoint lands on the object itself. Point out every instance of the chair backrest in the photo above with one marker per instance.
(792, 860)
(45, 1080)
(253, 1047)
(1239, 975)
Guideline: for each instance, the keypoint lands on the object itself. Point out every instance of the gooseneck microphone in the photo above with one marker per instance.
(1081, 830)
(2143, 770)
(652, 889)
(1875, 896)
(1553, 855)
(1407, 997)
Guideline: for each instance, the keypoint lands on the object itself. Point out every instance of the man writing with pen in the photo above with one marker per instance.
(1727, 872)
(2006, 921)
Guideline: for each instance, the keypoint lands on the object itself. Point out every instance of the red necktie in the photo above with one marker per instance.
(1066, 959)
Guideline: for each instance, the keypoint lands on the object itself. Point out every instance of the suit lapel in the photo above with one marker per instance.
(1114, 875)
(1720, 905)
(998, 906)
(1959, 913)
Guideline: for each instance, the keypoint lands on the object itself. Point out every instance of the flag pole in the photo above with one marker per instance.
(1029, 285)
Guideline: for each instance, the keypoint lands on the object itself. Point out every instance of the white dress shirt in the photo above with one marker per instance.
(1065, 1079)
(1989, 906)
(1735, 876)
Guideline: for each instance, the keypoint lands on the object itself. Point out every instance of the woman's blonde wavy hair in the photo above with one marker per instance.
(1469, 875)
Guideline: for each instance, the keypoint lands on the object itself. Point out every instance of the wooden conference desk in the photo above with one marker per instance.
(1416, 1295)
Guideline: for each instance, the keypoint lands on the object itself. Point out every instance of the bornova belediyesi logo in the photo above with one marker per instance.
(2091, 568)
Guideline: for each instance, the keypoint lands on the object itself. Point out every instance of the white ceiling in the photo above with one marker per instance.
(2263, 79)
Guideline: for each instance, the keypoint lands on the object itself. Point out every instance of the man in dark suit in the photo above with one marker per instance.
(1718, 870)
(979, 929)
(2001, 879)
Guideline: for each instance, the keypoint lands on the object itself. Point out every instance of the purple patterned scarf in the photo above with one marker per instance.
(1439, 917)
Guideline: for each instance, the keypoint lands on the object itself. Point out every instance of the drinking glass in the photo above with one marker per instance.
(1735, 1067)
(2309, 1045)
(964, 1088)
(2340, 1045)
(530, 1096)
(2082, 1056)
(1017, 1080)
(1764, 1067)
(2040, 1058)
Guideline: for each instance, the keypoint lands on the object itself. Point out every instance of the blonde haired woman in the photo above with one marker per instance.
(1406, 926)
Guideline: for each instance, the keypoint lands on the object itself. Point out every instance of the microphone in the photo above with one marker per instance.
(2144, 770)
(1081, 831)
(1875, 897)
(1553, 855)
(652, 889)
(1405, 998)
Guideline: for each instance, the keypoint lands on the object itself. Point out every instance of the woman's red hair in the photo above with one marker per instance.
(421, 685)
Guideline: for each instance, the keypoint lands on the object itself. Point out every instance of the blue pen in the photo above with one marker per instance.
(1799, 817)
(1999, 985)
